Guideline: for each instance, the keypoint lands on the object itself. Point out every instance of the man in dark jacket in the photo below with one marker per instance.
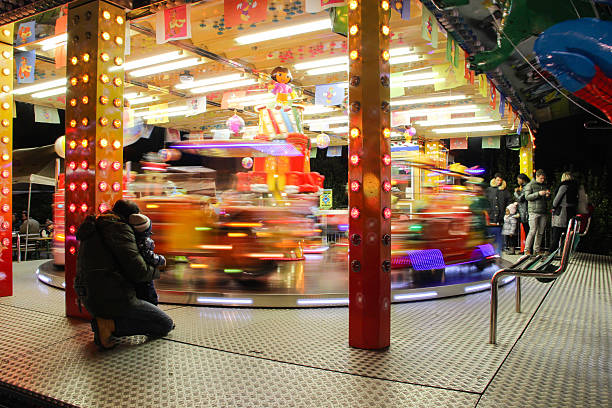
(499, 197)
(108, 266)
(519, 195)
(537, 195)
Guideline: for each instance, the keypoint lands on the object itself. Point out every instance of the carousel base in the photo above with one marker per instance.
(318, 281)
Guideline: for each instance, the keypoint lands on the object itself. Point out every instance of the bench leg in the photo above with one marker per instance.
(493, 322)
(517, 296)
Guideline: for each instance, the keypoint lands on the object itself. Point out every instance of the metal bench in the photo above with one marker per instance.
(539, 267)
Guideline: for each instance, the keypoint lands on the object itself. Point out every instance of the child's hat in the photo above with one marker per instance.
(139, 222)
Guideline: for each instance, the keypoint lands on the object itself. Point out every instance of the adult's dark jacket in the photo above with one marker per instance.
(499, 197)
(519, 196)
(108, 265)
(565, 203)
(537, 204)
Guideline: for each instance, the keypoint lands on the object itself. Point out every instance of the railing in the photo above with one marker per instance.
(543, 270)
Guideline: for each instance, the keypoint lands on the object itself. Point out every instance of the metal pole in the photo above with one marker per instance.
(517, 296)
(25, 257)
(493, 322)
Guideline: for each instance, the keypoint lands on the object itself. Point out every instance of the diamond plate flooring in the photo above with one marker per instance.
(222, 357)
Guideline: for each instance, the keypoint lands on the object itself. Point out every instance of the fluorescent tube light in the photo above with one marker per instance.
(131, 95)
(329, 121)
(432, 99)
(161, 112)
(170, 114)
(145, 62)
(171, 66)
(316, 109)
(287, 31)
(40, 87)
(140, 101)
(321, 63)
(446, 109)
(422, 82)
(227, 85)
(341, 129)
(458, 121)
(394, 52)
(53, 46)
(50, 92)
(209, 81)
(404, 58)
(52, 42)
(328, 70)
(486, 128)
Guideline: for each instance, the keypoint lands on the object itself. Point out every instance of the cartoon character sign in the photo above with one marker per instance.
(282, 89)
(24, 62)
(26, 32)
(238, 12)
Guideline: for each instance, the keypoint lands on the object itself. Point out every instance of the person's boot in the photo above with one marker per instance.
(103, 330)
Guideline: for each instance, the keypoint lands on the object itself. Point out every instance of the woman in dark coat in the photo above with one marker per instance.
(519, 197)
(108, 266)
(564, 207)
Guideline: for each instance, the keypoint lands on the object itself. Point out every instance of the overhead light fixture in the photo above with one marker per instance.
(40, 87)
(171, 66)
(131, 95)
(140, 101)
(145, 62)
(422, 82)
(458, 121)
(53, 46)
(466, 129)
(394, 52)
(321, 63)
(227, 85)
(287, 31)
(210, 81)
(432, 99)
(316, 109)
(446, 109)
(327, 70)
(168, 115)
(404, 59)
(341, 129)
(255, 99)
(161, 112)
(327, 121)
(50, 92)
(53, 42)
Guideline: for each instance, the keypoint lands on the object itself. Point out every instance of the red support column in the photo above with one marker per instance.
(369, 175)
(94, 128)
(6, 157)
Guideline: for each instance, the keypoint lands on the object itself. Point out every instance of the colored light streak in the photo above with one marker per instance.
(225, 301)
(198, 266)
(216, 247)
(415, 296)
(476, 288)
(321, 302)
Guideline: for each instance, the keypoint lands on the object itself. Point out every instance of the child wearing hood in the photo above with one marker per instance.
(510, 227)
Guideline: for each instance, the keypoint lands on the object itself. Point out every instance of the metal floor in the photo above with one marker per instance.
(554, 354)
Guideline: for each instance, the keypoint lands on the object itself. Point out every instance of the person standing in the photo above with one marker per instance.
(565, 207)
(537, 195)
(519, 195)
(499, 198)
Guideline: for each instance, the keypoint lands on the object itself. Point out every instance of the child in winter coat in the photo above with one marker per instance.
(510, 227)
(142, 226)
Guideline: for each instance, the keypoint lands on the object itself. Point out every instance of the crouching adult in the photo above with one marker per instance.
(109, 265)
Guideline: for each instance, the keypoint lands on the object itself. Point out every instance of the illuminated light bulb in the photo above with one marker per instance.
(84, 186)
(73, 123)
(86, 57)
(72, 229)
(354, 55)
(5, 157)
(116, 144)
(103, 143)
(116, 186)
(84, 142)
(6, 54)
(387, 132)
(386, 159)
(6, 88)
(74, 60)
(118, 61)
(355, 186)
(353, 4)
(6, 242)
(104, 57)
(85, 78)
(84, 165)
(72, 249)
(6, 190)
(355, 213)
(5, 173)
(386, 213)
(5, 140)
(72, 165)
(84, 207)
(116, 165)
(6, 32)
(385, 30)
(106, 14)
(385, 55)
(85, 121)
(72, 187)
(72, 144)
(85, 100)
(103, 186)
(354, 29)
(387, 186)
(119, 20)
(103, 121)
(6, 225)
(103, 207)
(354, 159)
(355, 132)
(384, 5)
(117, 102)
(5, 122)
(6, 207)
(105, 36)
(74, 81)
(116, 123)
(103, 164)
(119, 40)
(6, 71)
(73, 102)
(117, 81)
(104, 79)
(104, 100)
(6, 106)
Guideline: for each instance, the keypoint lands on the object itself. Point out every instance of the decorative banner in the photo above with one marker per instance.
(400, 118)
(314, 6)
(452, 51)
(334, 151)
(519, 129)
(429, 27)
(397, 90)
(325, 199)
(196, 106)
(453, 77)
(173, 24)
(329, 94)
(339, 19)
(482, 85)
(458, 143)
(238, 12)
(60, 28)
(492, 95)
(467, 72)
(25, 63)
(232, 100)
(502, 104)
(490, 142)
(42, 114)
(402, 7)
(158, 110)
(26, 33)
(173, 135)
